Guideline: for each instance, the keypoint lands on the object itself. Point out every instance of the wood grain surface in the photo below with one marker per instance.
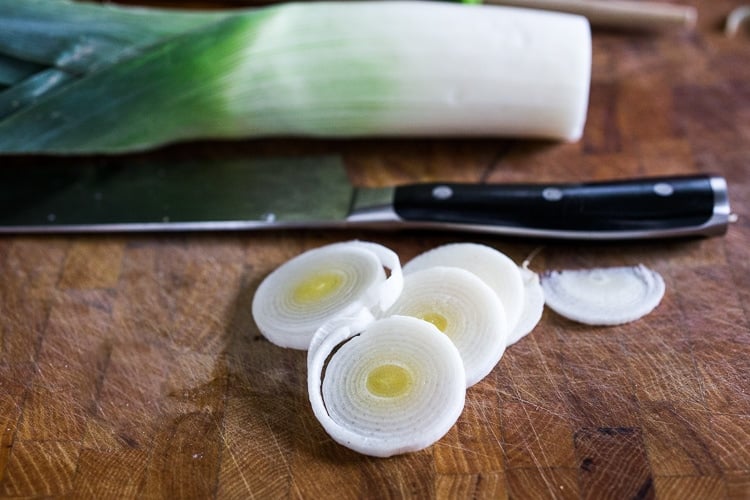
(130, 366)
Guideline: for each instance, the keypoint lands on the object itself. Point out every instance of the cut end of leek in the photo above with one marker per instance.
(603, 296)
(463, 308)
(394, 387)
(322, 283)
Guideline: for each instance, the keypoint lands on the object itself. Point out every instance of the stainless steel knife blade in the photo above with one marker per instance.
(128, 195)
(123, 194)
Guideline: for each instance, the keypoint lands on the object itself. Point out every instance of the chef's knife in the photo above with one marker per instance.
(315, 192)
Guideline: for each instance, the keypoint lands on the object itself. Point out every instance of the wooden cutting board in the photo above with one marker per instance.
(130, 365)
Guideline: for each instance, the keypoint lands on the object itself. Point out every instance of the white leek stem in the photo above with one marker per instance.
(338, 69)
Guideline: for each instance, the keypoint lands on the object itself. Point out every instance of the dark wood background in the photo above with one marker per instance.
(130, 365)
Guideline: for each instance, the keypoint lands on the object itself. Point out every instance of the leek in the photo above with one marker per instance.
(340, 279)
(605, 295)
(78, 78)
(533, 305)
(464, 308)
(491, 265)
(394, 385)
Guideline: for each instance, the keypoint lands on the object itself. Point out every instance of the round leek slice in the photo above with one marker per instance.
(603, 296)
(396, 385)
(310, 289)
(463, 308)
(492, 266)
(533, 306)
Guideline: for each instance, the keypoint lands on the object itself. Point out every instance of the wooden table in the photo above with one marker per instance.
(130, 365)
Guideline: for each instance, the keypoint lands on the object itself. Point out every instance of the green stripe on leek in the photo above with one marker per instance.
(83, 78)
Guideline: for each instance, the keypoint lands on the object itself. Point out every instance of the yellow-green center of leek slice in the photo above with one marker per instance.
(389, 381)
(437, 319)
(317, 287)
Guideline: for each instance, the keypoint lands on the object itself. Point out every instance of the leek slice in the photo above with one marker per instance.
(338, 279)
(603, 296)
(494, 268)
(130, 79)
(463, 308)
(396, 385)
(533, 306)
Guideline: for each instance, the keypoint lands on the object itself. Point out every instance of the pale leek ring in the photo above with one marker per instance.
(533, 306)
(464, 308)
(338, 279)
(369, 422)
(492, 266)
(603, 296)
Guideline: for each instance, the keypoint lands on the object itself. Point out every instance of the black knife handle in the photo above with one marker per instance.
(640, 208)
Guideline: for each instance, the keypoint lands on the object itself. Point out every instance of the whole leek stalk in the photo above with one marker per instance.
(83, 78)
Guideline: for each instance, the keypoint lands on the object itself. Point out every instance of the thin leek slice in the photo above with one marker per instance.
(603, 296)
(396, 385)
(492, 266)
(533, 306)
(310, 289)
(463, 308)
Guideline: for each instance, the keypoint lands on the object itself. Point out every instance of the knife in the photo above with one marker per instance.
(117, 195)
